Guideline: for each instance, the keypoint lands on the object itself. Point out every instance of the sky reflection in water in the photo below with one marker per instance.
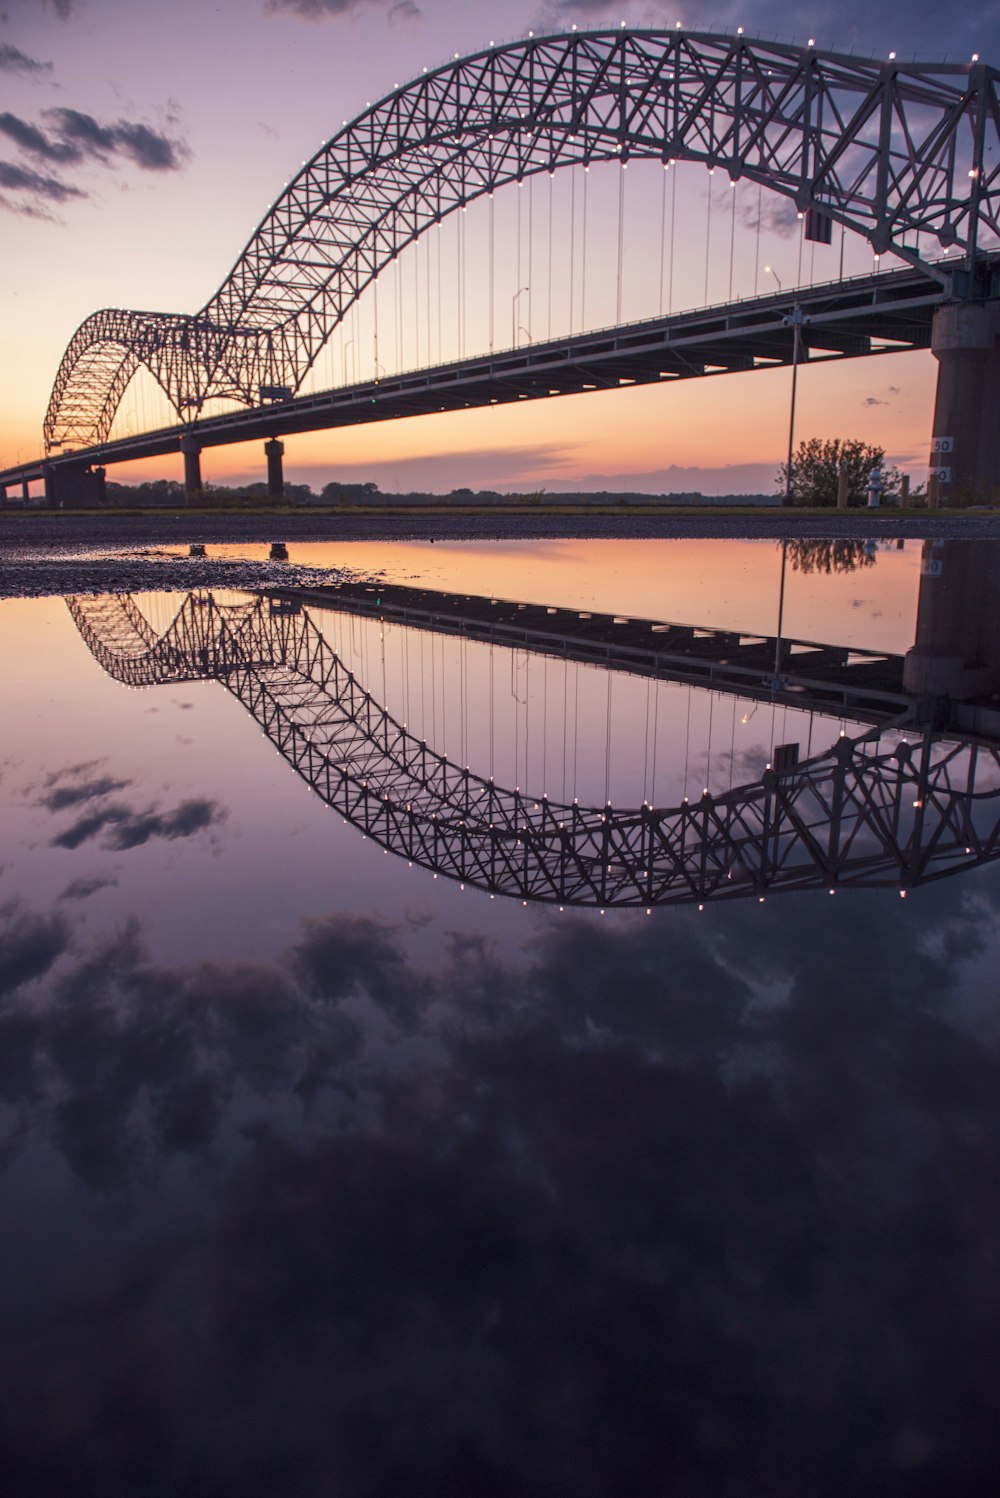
(320, 1175)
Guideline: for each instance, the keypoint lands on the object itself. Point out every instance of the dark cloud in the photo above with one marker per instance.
(404, 12)
(400, 12)
(320, 10)
(23, 179)
(62, 796)
(69, 140)
(82, 889)
(34, 141)
(12, 60)
(872, 400)
(906, 26)
(124, 828)
(29, 945)
(146, 148)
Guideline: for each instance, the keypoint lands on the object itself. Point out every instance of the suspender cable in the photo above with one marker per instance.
(656, 731)
(673, 220)
(708, 757)
(531, 247)
(583, 256)
(760, 214)
(572, 242)
(708, 232)
(663, 234)
(545, 723)
(621, 241)
(645, 743)
(565, 711)
(416, 310)
(732, 242)
(548, 293)
(375, 297)
(732, 747)
(492, 309)
(607, 745)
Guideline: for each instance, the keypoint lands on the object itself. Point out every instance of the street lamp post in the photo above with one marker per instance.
(794, 320)
(513, 314)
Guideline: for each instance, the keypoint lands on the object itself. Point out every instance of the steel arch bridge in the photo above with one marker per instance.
(856, 816)
(893, 151)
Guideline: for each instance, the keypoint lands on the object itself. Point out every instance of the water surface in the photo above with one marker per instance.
(324, 1173)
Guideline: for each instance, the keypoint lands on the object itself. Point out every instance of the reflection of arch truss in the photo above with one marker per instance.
(887, 149)
(854, 816)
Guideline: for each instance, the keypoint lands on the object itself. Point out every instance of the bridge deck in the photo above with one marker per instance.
(866, 685)
(885, 313)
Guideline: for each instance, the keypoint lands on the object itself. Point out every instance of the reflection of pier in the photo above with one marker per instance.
(862, 814)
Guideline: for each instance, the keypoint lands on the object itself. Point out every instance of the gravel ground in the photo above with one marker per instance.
(46, 553)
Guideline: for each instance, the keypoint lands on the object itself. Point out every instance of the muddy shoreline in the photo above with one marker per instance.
(50, 553)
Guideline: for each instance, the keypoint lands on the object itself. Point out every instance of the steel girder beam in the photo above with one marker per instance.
(890, 150)
(855, 816)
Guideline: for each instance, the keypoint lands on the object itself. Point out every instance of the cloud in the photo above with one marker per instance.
(29, 945)
(12, 60)
(82, 889)
(404, 12)
(871, 400)
(23, 179)
(60, 797)
(320, 10)
(399, 13)
(148, 149)
(124, 828)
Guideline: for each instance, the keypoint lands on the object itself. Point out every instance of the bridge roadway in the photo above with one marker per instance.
(865, 685)
(888, 312)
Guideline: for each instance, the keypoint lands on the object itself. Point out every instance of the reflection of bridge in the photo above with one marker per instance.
(903, 155)
(858, 815)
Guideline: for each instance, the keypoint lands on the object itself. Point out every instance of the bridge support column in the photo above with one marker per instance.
(191, 448)
(957, 648)
(965, 452)
(275, 451)
(25, 492)
(49, 479)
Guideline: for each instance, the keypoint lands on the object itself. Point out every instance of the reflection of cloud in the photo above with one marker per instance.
(82, 889)
(29, 945)
(682, 1197)
(13, 60)
(125, 829)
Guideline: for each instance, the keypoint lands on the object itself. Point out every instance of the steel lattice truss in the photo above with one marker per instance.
(855, 816)
(891, 150)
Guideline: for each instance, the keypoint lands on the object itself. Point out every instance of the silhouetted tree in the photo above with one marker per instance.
(816, 467)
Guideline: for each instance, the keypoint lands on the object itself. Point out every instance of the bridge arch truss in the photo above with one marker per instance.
(893, 151)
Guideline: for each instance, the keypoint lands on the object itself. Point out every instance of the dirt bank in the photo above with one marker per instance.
(43, 553)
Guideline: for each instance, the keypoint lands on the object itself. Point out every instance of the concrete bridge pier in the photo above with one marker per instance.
(956, 653)
(965, 450)
(274, 452)
(74, 486)
(191, 449)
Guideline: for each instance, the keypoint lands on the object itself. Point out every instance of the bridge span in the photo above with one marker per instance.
(904, 155)
(891, 312)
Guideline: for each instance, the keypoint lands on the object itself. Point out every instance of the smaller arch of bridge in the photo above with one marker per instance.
(889, 150)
